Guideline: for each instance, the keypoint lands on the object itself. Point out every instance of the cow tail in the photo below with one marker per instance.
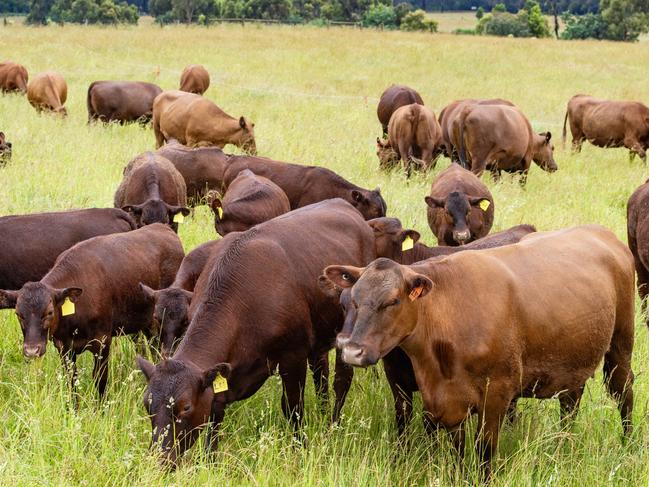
(89, 102)
(462, 150)
(564, 133)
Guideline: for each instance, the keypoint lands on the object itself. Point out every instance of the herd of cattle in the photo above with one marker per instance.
(309, 261)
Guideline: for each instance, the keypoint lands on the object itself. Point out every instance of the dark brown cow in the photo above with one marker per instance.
(197, 122)
(5, 149)
(608, 124)
(305, 185)
(393, 97)
(638, 237)
(13, 77)
(48, 92)
(31, 243)
(500, 138)
(194, 79)
(572, 289)
(460, 207)
(153, 191)
(92, 294)
(121, 101)
(244, 328)
(202, 168)
(249, 200)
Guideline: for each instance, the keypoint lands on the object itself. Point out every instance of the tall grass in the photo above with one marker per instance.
(312, 94)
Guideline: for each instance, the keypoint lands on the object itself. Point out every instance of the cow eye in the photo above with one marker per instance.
(394, 302)
(346, 277)
(186, 408)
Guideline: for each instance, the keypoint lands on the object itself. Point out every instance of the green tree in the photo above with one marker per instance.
(479, 13)
(39, 11)
(536, 21)
(625, 19)
(499, 7)
(417, 21)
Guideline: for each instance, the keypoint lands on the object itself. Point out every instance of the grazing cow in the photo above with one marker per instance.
(194, 79)
(305, 185)
(564, 301)
(608, 124)
(92, 294)
(243, 328)
(171, 305)
(202, 168)
(393, 97)
(121, 101)
(460, 207)
(13, 77)
(5, 149)
(413, 133)
(31, 243)
(197, 122)
(500, 138)
(638, 237)
(48, 92)
(250, 200)
(153, 191)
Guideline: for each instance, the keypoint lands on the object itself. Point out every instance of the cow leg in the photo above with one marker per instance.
(69, 362)
(643, 286)
(618, 374)
(490, 417)
(512, 413)
(496, 173)
(216, 418)
(523, 179)
(293, 374)
(100, 369)
(342, 383)
(569, 402)
(398, 369)
(319, 365)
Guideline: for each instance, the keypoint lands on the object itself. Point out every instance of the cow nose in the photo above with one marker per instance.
(32, 351)
(341, 340)
(353, 354)
(461, 237)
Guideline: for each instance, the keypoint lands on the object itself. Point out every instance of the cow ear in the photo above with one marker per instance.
(548, 136)
(134, 209)
(242, 122)
(8, 299)
(215, 204)
(146, 367)
(223, 369)
(357, 196)
(148, 292)
(435, 202)
(179, 209)
(72, 293)
(418, 286)
(413, 234)
(377, 190)
(343, 275)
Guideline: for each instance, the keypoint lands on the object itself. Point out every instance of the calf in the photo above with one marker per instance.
(572, 289)
(393, 97)
(250, 200)
(31, 243)
(5, 149)
(460, 207)
(121, 101)
(234, 343)
(13, 77)
(153, 191)
(305, 185)
(638, 237)
(48, 92)
(194, 79)
(91, 295)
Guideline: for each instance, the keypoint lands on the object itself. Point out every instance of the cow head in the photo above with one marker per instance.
(389, 237)
(370, 203)
(383, 300)
(543, 154)
(170, 314)
(38, 308)
(247, 136)
(388, 157)
(5, 149)
(456, 207)
(154, 211)
(180, 400)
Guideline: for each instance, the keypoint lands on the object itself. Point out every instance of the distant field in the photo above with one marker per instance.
(312, 93)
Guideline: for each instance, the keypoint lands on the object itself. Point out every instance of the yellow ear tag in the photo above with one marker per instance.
(415, 293)
(220, 384)
(179, 218)
(408, 243)
(484, 204)
(219, 210)
(67, 308)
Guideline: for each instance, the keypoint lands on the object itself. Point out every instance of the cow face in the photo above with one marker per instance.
(247, 138)
(544, 152)
(154, 211)
(388, 157)
(179, 399)
(389, 236)
(38, 308)
(383, 306)
(370, 203)
(457, 207)
(5, 149)
(170, 314)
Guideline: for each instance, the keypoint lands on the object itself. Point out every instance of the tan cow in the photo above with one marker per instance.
(197, 122)
(608, 124)
(13, 77)
(48, 92)
(194, 79)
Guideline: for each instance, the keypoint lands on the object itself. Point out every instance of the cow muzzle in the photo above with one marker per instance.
(462, 237)
(33, 351)
(356, 355)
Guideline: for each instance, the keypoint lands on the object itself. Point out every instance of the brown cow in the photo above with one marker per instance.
(153, 191)
(305, 185)
(13, 77)
(638, 237)
(244, 328)
(194, 79)
(249, 200)
(197, 122)
(5, 149)
(31, 243)
(48, 92)
(160, 104)
(608, 124)
(121, 101)
(500, 138)
(572, 289)
(393, 97)
(460, 207)
(92, 294)
(202, 168)
(413, 134)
